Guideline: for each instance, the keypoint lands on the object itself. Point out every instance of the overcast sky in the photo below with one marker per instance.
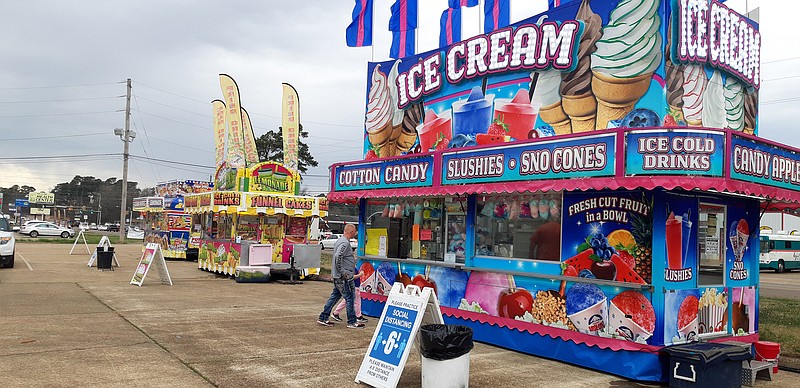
(63, 66)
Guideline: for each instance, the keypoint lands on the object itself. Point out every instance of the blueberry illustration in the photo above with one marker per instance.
(458, 141)
(639, 118)
(545, 131)
(585, 273)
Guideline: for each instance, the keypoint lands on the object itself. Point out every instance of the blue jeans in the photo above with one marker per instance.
(341, 289)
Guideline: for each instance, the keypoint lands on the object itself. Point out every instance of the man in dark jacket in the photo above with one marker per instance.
(342, 267)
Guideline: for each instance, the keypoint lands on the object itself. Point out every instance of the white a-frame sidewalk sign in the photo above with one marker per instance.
(406, 310)
(151, 257)
(78, 237)
(104, 243)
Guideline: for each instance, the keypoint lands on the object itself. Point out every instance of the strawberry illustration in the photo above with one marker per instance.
(497, 128)
(371, 154)
(569, 270)
(669, 120)
(441, 143)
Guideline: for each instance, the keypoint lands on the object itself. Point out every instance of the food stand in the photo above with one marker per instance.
(253, 219)
(164, 220)
(584, 185)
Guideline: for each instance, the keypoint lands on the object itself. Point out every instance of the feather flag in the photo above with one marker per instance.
(463, 3)
(218, 107)
(450, 27)
(402, 44)
(290, 122)
(250, 149)
(404, 15)
(235, 155)
(359, 32)
(497, 15)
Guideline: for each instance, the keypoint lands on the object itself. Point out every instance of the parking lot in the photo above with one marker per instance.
(65, 324)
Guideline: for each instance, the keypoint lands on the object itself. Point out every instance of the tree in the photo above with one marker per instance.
(270, 147)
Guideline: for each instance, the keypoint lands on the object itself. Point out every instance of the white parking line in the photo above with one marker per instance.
(26, 261)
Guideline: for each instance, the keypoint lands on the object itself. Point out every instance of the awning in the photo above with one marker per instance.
(778, 197)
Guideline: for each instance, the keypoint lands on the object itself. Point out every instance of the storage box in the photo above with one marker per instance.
(705, 364)
(252, 274)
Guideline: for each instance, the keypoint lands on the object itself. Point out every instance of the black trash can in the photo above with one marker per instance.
(104, 258)
(445, 355)
(706, 364)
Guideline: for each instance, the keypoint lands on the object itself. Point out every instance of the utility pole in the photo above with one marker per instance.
(122, 210)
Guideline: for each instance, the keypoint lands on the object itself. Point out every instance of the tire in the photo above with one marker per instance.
(34, 234)
(10, 263)
(781, 267)
(64, 234)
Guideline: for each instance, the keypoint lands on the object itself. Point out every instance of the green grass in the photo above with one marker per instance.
(325, 263)
(779, 321)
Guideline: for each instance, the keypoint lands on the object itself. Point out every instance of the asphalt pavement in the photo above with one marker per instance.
(65, 324)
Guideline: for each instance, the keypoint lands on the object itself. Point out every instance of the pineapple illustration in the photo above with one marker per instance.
(642, 230)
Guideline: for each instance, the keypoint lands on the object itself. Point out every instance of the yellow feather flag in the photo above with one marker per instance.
(230, 91)
(250, 150)
(218, 109)
(290, 121)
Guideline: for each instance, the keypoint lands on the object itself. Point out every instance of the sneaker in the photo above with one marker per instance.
(357, 325)
(325, 323)
(336, 317)
(362, 320)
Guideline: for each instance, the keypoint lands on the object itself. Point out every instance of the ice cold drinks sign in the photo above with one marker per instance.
(674, 153)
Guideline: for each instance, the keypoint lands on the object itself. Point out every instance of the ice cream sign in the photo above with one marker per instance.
(764, 163)
(710, 32)
(577, 157)
(415, 172)
(529, 46)
(674, 153)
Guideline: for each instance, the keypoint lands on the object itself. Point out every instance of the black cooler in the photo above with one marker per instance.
(706, 364)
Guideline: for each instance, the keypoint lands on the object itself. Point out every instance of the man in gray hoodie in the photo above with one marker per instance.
(342, 267)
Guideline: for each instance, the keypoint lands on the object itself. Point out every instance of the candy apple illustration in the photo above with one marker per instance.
(514, 302)
(404, 278)
(422, 282)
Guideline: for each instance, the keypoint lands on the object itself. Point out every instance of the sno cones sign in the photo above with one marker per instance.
(290, 121)
(230, 91)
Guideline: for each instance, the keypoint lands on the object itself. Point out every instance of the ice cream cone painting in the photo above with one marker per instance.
(590, 65)
(628, 53)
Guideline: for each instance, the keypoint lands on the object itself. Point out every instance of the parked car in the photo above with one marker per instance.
(113, 227)
(7, 244)
(102, 227)
(330, 241)
(93, 226)
(26, 227)
(48, 229)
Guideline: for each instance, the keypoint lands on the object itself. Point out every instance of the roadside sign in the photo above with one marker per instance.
(21, 203)
(151, 257)
(406, 309)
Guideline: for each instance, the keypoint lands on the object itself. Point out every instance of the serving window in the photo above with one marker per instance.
(399, 228)
(525, 226)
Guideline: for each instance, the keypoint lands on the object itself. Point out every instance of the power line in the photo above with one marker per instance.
(62, 114)
(171, 161)
(59, 86)
(55, 137)
(64, 100)
(55, 156)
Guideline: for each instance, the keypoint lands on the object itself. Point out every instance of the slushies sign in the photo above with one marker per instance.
(576, 157)
(713, 33)
(414, 172)
(529, 46)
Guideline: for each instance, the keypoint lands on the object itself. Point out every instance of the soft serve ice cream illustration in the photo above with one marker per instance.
(578, 100)
(628, 53)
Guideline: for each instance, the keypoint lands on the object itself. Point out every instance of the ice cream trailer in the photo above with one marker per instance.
(585, 185)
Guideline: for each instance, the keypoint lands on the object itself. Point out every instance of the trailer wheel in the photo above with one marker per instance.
(781, 267)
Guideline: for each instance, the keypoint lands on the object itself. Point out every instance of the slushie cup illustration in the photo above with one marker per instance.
(674, 242)
(686, 233)
(435, 130)
(517, 114)
(473, 115)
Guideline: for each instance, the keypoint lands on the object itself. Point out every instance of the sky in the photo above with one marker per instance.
(64, 63)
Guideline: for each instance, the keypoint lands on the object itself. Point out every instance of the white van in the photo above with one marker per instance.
(779, 251)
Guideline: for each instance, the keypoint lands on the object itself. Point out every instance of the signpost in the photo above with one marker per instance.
(78, 237)
(152, 256)
(406, 310)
